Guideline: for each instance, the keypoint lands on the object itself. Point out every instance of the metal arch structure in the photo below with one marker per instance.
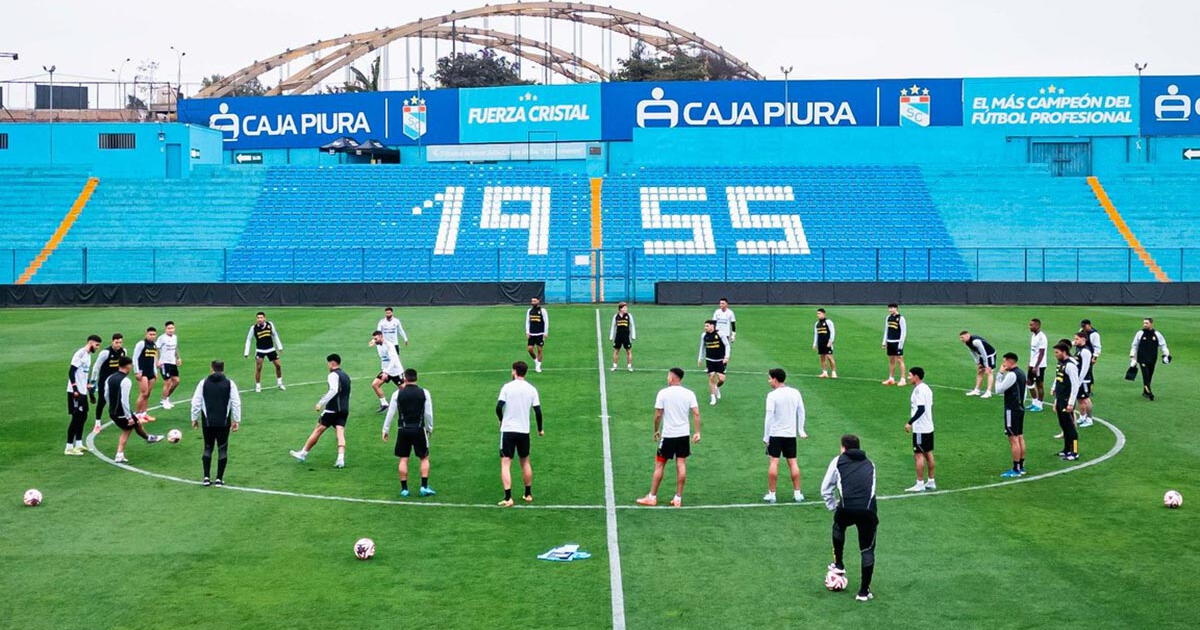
(334, 54)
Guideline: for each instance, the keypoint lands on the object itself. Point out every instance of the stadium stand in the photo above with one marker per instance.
(33, 201)
(522, 222)
(1019, 223)
(855, 223)
(1163, 209)
(157, 231)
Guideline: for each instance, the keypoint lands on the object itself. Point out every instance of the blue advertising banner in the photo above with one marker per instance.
(1170, 106)
(292, 122)
(529, 113)
(867, 103)
(1053, 105)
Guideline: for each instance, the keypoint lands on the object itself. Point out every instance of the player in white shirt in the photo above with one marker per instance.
(517, 398)
(1036, 374)
(390, 369)
(920, 424)
(78, 390)
(168, 363)
(784, 422)
(672, 407)
(392, 329)
(726, 320)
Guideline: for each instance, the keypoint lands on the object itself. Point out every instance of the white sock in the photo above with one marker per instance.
(383, 402)
(78, 443)
(678, 498)
(68, 446)
(303, 453)
(652, 496)
(279, 381)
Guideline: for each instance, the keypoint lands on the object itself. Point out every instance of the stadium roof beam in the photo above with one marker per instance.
(348, 48)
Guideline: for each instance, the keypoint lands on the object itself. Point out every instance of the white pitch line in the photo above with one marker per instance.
(610, 501)
(1112, 452)
(1117, 447)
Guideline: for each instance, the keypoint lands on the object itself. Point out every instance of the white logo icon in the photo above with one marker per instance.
(657, 108)
(1173, 106)
(225, 122)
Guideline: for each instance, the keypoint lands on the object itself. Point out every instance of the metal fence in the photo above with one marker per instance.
(582, 274)
(136, 95)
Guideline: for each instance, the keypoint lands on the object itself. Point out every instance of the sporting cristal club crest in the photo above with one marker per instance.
(414, 117)
(914, 106)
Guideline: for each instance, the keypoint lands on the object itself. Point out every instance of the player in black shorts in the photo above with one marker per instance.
(267, 346)
(895, 332)
(622, 333)
(824, 335)
(145, 368)
(1012, 384)
(714, 357)
(414, 406)
(335, 409)
(104, 367)
(537, 329)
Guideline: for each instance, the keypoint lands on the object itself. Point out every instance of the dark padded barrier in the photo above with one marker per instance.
(1118, 293)
(262, 295)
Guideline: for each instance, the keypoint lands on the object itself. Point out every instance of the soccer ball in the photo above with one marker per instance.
(174, 435)
(1172, 499)
(364, 548)
(32, 497)
(835, 581)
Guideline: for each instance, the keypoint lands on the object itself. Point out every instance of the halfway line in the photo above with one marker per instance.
(610, 501)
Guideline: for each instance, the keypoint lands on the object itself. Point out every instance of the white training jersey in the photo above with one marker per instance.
(1094, 339)
(724, 319)
(1037, 343)
(676, 403)
(519, 398)
(82, 362)
(785, 413)
(392, 330)
(922, 395)
(168, 349)
(389, 360)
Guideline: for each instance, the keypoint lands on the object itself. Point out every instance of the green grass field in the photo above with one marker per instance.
(111, 548)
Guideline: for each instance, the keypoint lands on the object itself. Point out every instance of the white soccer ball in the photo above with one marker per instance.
(1172, 499)
(32, 497)
(364, 548)
(174, 435)
(836, 581)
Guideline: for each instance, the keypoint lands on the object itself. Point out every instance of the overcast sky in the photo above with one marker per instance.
(820, 39)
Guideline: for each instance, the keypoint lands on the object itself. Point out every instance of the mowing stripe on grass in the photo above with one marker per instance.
(610, 501)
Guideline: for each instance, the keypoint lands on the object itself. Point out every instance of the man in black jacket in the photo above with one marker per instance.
(1143, 353)
(853, 476)
(217, 409)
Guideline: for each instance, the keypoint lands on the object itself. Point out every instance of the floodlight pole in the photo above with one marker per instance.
(51, 70)
(787, 104)
(1140, 67)
(118, 70)
(179, 55)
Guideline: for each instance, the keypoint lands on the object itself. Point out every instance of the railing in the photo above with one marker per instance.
(577, 273)
(134, 95)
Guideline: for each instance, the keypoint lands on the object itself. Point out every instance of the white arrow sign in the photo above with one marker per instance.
(1191, 154)
(243, 158)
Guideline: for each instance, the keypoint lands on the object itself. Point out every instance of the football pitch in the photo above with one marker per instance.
(1073, 544)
